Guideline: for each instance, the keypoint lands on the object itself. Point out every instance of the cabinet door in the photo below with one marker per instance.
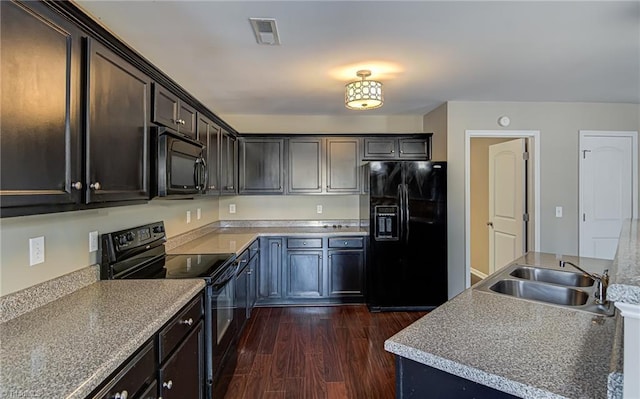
(117, 134)
(305, 165)
(208, 133)
(182, 375)
(165, 107)
(346, 273)
(304, 276)
(414, 148)
(380, 147)
(261, 166)
(40, 155)
(343, 161)
(242, 298)
(269, 275)
(187, 120)
(228, 163)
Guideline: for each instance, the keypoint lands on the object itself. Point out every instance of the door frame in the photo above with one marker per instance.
(534, 158)
(634, 173)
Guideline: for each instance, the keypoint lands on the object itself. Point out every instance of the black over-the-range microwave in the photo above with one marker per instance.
(180, 165)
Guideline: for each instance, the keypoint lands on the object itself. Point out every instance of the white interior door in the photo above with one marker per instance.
(606, 190)
(506, 202)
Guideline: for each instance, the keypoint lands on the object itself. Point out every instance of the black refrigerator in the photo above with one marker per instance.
(407, 267)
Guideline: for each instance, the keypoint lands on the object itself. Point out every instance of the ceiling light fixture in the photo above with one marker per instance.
(363, 94)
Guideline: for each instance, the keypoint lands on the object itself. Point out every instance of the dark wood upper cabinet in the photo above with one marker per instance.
(261, 166)
(40, 150)
(305, 165)
(170, 111)
(117, 131)
(209, 134)
(415, 148)
(343, 165)
(228, 163)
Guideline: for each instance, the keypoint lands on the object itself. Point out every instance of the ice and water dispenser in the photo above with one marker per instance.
(386, 219)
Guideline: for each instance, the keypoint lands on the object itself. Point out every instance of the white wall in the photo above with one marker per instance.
(303, 124)
(67, 236)
(559, 124)
(290, 207)
(436, 122)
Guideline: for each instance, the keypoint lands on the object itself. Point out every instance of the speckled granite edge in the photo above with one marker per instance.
(615, 378)
(23, 301)
(289, 223)
(191, 235)
(470, 373)
(625, 269)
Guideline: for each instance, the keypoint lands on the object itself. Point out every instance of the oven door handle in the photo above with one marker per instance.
(228, 277)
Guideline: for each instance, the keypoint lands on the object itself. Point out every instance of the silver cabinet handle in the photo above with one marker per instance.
(167, 384)
(77, 185)
(188, 323)
(121, 395)
(95, 186)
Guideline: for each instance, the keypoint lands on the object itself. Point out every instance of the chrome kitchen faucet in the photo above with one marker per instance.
(602, 281)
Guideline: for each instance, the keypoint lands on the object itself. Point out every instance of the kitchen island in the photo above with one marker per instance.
(511, 346)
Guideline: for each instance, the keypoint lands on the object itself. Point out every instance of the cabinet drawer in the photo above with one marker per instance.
(346, 242)
(179, 327)
(304, 243)
(137, 374)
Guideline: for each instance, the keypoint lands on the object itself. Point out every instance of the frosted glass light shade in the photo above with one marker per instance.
(363, 94)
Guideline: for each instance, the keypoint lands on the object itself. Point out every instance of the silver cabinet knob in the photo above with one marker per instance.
(77, 185)
(401, 152)
(229, 187)
(346, 243)
(121, 395)
(180, 122)
(392, 151)
(167, 384)
(187, 322)
(212, 187)
(95, 186)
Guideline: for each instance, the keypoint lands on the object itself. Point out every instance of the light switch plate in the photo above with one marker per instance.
(188, 216)
(93, 241)
(198, 214)
(232, 208)
(558, 211)
(36, 250)
(318, 208)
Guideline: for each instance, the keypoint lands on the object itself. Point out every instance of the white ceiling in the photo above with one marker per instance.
(424, 52)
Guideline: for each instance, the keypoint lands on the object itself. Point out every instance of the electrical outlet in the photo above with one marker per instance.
(188, 216)
(36, 250)
(558, 211)
(318, 208)
(93, 241)
(198, 214)
(232, 208)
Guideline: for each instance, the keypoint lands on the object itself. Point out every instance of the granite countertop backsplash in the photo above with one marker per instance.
(235, 237)
(68, 347)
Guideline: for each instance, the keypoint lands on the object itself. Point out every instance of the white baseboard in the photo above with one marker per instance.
(478, 273)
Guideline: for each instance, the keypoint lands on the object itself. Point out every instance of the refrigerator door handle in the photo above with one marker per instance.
(407, 215)
(401, 206)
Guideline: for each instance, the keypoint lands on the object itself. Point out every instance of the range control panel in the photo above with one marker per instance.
(131, 240)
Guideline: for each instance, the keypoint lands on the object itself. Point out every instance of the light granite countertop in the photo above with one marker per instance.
(625, 278)
(237, 239)
(527, 349)
(68, 347)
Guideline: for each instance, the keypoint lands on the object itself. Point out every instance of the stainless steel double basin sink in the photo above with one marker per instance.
(556, 287)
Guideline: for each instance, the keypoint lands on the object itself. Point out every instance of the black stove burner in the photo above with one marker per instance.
(194, 266)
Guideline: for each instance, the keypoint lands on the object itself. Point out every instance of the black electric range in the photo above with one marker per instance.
(139, 253)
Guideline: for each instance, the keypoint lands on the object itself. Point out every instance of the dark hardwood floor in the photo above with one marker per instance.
(317, 352)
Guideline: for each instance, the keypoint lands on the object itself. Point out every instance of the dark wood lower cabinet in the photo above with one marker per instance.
(346, 273)
(182, 374)
(418, 381)
(304, 274)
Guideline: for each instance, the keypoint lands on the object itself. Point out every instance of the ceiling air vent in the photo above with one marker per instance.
(265, 31)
